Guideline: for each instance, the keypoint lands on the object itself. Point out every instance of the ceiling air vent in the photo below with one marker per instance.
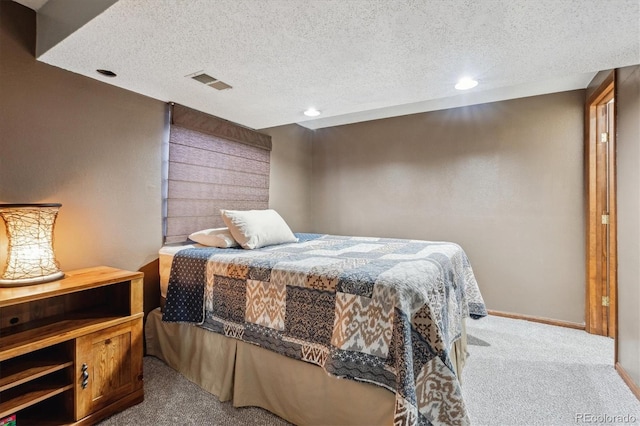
(220, 85)
(204, 78)
(209, 81)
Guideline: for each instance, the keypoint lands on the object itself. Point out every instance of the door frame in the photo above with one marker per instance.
(600, 319)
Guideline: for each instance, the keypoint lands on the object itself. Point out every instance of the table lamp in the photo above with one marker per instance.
(30, 256)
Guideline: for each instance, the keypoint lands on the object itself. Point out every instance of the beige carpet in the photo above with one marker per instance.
(518, 373)
(536, 374)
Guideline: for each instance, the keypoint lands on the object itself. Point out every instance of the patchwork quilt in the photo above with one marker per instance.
(377, 310)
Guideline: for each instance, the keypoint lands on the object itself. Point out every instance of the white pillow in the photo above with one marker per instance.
(257, 228)
(215, 237)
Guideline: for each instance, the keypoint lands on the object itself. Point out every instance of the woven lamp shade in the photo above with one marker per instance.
(30, 256)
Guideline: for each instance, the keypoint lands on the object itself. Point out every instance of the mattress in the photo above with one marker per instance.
(165, 256)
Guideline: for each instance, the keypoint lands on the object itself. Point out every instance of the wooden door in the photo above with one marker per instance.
(600, 313)
(108, 366)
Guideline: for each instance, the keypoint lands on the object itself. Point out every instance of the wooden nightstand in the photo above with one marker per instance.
(71, 350)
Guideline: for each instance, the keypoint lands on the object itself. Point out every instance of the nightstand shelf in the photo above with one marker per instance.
(71, 350)
(24, 369)
(32, 394)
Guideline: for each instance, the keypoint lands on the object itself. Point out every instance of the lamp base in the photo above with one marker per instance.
(33, 280)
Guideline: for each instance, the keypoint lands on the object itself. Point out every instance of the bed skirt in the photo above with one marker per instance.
(249, 375)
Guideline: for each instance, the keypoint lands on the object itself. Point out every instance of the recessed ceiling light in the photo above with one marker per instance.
(466, 83)
(107, 73)
(312, 112)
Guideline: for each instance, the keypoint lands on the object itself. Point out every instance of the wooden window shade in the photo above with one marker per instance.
(213, 164)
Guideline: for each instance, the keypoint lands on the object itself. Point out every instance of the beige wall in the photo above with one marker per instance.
(93, 147)
(628, 144)
(504, 180)
(290, 175)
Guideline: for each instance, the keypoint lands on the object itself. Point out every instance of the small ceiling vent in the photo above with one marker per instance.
(220, 85)
(209, 81)
(204, 78)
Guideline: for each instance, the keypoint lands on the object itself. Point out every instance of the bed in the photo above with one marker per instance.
(326, 330)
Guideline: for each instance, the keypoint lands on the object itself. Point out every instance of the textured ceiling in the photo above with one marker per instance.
(353, 60)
